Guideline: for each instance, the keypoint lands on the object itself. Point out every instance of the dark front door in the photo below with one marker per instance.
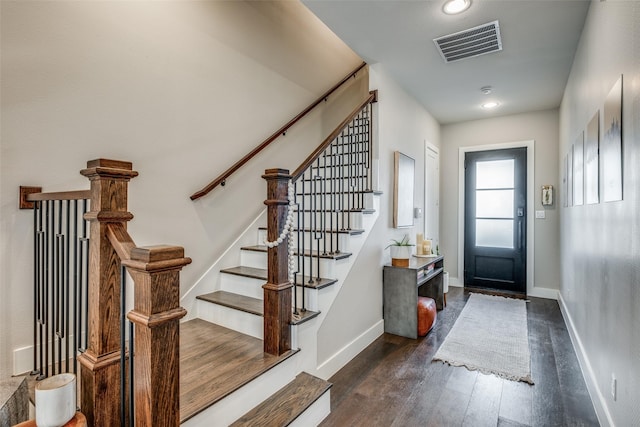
(495, 238)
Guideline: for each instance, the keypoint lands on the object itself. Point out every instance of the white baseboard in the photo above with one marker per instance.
(454, 281)
(314, 414)
(599, 403)
(539, 292)
(333, 364)
(23, 357)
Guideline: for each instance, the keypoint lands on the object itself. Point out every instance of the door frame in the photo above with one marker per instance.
(429, 146)
(530, 146)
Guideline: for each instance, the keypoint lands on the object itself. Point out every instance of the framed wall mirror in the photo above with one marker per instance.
(404, 172)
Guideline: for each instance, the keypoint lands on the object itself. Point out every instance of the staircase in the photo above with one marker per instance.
(224, 333)
(225, 375)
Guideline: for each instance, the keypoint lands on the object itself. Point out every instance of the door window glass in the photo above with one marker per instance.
(495, 174)
(494, 204)
(496, 233)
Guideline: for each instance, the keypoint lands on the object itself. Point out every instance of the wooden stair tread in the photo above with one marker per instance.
(251, 305)
(352, 232)
(261, 274)
(303, 316)
(216, 361)
(284, 406)
(262, 248)
(236, 301)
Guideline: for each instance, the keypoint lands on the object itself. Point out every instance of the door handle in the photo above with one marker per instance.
(520, 234)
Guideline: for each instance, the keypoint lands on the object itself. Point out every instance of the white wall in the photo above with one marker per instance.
(600, 250)
(181, 89)
(403, 125)
(542, 127)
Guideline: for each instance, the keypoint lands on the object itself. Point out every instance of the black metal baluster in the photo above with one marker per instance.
(123, 343)
(46, 287)
(301, 249)
(41, 282)
(312, 220)
(318, 218)
(333, 198)
(360, 162)
(59, 267)
(325, 208)
(83, 290)
(76, 312)
(369, 147)
(36, 287)
(67, 281)
(295, 274)
(132, 400)
(354, 164)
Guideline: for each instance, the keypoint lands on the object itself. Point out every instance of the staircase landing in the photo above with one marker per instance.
(216, 361)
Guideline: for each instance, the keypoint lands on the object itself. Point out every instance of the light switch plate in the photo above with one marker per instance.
(540, 214)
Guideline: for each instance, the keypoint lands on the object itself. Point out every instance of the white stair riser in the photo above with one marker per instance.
(242, 285)
(246, 323)
(315, 413)
(341, 220)
(310, 298)
(259, 260)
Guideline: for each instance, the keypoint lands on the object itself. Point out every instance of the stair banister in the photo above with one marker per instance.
(220, 180)
(278, 289)
(373, 97)
(156, 310)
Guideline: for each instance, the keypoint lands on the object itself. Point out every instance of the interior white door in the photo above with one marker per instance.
(432, 193)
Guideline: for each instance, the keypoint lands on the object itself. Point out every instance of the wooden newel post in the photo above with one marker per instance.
(277, 290)
(100, 371)
(156, 315)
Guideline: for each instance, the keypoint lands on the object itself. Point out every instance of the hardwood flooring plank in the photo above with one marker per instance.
(450, 409)
(517, 402)
(462, 381)
(547, 408)
(578, 409)
(484, 404)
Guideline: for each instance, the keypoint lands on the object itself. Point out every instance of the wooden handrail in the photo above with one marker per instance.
(373, 96)
(62, 195)
(220, 180)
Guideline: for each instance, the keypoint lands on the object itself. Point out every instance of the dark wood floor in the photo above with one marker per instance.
(393, 382)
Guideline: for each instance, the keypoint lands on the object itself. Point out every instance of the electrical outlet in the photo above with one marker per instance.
(614, 386)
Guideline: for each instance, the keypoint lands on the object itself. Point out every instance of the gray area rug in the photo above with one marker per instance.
(490, 336)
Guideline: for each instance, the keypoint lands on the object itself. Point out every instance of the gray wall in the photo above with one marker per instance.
(600, 251)
(542, 127)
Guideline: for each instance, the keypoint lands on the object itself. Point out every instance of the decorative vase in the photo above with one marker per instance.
(55, 400)
(400, 255)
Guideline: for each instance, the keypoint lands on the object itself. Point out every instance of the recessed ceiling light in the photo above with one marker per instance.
(489, 105)
(453, 7)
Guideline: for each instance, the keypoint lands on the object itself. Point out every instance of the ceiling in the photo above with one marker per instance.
(539, 39)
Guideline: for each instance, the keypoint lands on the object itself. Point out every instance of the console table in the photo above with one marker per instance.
(401, 288)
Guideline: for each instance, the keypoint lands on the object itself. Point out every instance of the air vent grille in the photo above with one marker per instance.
(469, 43)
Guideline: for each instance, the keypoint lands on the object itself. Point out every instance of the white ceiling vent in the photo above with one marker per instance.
(469, 43)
